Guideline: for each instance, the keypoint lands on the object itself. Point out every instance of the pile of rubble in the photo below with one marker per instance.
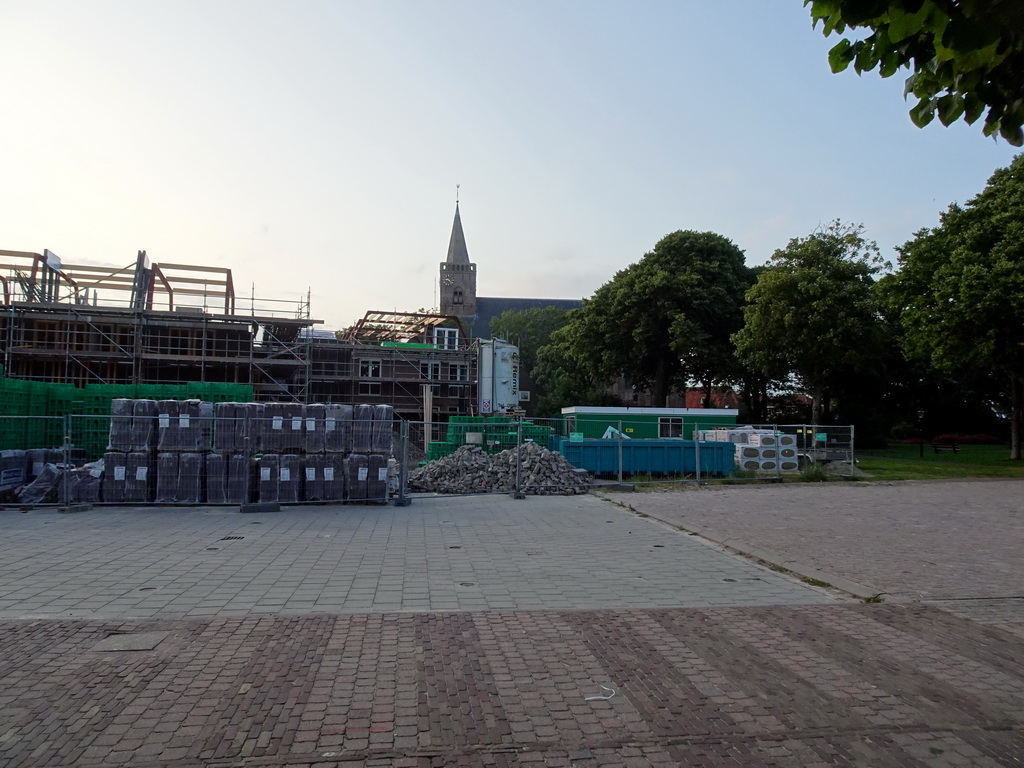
(471, 470)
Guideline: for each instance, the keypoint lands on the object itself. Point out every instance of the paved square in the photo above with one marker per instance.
(479, 553)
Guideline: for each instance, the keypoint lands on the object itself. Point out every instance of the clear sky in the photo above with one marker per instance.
(317, 144)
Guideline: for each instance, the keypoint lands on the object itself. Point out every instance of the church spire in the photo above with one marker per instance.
(457, 251)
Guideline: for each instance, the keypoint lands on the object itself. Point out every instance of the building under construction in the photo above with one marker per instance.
(159, 323)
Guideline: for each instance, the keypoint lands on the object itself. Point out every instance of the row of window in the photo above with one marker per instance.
(373, 369)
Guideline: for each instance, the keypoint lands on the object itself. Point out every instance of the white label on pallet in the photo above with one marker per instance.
(329, 424)
(277, 423)
(119, 473)
(328, 473)
(183, 421)
(141, 473)
(286, 474)
(165, 420)
(310, 474)
(363, 473)
(382, 473)
(310, 425)
(296, 422)
(265, 474)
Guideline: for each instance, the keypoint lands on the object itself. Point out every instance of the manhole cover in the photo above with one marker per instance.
(659, 546)
(467, 583)
(213, 549)
(455, 547)
(728, 579)
(146, 589)
(231, 538)
(133, 641)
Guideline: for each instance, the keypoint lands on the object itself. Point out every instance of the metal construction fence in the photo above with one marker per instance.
(198, 457)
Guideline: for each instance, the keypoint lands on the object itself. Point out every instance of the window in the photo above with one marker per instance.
(446, 338)
(369, 369)
(458, 372)
(458, 390)
(430, 371)
(369, 387)
(670, 426)
(457, 296)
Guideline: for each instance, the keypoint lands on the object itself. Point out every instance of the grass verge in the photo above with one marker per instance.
(903, 462)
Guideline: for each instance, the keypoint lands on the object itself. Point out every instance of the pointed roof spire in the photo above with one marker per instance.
(457, 251)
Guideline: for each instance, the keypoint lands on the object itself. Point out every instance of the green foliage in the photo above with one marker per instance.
(812, 312)
(966, 56)
(529, 329)
(562, 382)
(959, 293)
(814, 473)
(665, 319)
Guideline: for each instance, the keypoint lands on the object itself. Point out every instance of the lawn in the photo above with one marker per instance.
(902, 462)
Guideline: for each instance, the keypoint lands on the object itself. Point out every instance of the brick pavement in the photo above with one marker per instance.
(814, 685)
(914, 540)
(750, 682)
(438, 554)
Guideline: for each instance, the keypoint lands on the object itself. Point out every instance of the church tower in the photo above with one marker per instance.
(458, 275)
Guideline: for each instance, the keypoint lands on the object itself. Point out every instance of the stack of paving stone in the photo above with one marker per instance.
(471, 470)
(192, 452)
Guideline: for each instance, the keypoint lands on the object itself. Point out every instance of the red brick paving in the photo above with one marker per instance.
(880, 685)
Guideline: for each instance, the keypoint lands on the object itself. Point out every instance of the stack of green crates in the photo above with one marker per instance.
(499, 433)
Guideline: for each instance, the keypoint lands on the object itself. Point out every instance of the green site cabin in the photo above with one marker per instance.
(597, 422)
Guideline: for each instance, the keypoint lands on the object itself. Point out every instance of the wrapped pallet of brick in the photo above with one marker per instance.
(193, 427)
(190, 478)
(357, 471)
(362, 429)
(144, 421)
(337, 428)
(240, 478)
(313, 477)
(377, 478)
(226, 427)
(252, 425)
(120, 438)
(290, 435)
(272, 428)
(334, 477)
(166, 478)
(382, 430)
(267, 484)
(313, 436)
(138, 482)
(115, 472)
(205, 427)
(167, 429)
(290, 478)
(216, 479)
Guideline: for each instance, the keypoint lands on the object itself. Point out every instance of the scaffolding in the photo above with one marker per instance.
(148, 323)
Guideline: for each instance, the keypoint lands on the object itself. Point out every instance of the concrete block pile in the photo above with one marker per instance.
(471, 470)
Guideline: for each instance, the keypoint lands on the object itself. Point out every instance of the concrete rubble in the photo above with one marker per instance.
(471, 470)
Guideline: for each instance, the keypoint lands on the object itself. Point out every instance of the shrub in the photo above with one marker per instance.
(813, 473)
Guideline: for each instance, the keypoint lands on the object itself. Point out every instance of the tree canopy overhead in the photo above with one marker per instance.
(966, 56)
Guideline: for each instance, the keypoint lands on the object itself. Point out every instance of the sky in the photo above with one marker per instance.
(314, 146)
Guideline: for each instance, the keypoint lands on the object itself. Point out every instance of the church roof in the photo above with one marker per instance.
(457, 251)
(488, 308)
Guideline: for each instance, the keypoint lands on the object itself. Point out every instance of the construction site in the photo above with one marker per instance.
(149, 323)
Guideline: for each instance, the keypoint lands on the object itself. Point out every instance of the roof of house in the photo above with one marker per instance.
(488, 308)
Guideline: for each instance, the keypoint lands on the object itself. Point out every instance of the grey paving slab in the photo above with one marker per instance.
(467, 553)
(912, 540)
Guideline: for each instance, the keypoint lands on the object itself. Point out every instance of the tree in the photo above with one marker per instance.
(665, 319)
(959, 291)
(530, 330)
(562, 382)
(966, 56)
(812, 312)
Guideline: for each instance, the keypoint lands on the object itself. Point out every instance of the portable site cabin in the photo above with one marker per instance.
(599, 422)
